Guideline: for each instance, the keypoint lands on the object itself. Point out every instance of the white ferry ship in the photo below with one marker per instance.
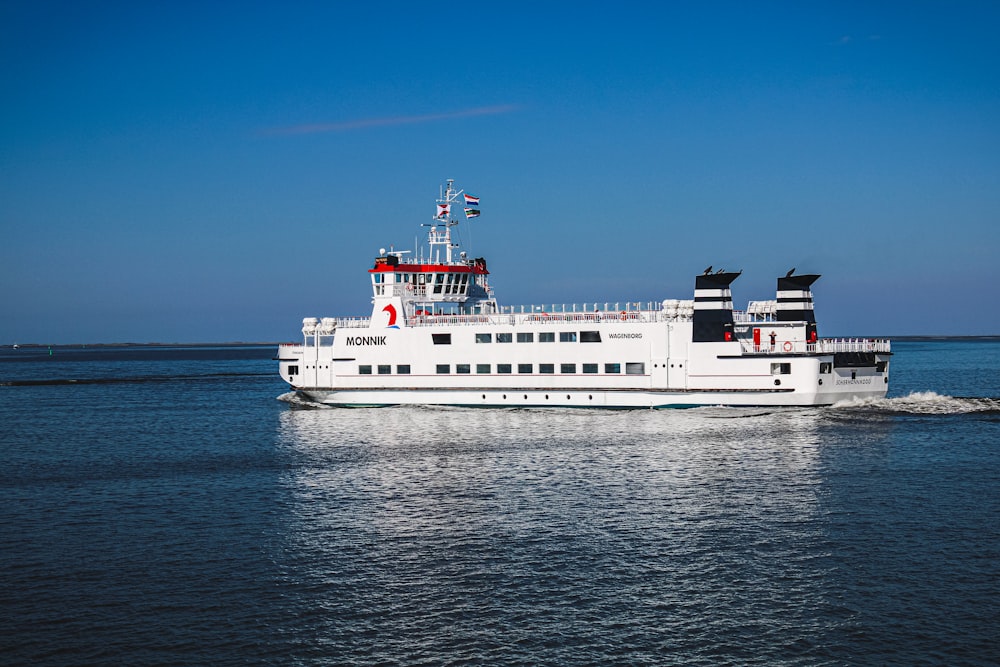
(437, 336)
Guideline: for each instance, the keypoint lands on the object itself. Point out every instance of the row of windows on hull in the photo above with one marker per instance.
(526, 337)
(631, 368)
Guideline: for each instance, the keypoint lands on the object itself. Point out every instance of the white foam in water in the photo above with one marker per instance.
(923, 402)
(295, 399)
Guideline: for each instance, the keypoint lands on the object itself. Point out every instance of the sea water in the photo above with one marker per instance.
(178, 506)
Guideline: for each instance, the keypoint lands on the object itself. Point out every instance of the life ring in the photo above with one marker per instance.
(787, 346)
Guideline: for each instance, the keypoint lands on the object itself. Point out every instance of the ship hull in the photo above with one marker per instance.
(585, 398)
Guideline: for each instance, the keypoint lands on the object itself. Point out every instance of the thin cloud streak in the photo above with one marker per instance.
(363, 123)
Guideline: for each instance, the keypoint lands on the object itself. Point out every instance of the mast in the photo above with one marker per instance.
(448, 196)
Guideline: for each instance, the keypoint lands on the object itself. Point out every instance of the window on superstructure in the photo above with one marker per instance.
(505, 338)
(462, 368)
(547, 368)
(525, 337)
(547, 337)
(482, 368)
(441, 338)
(384, 369)
(365, 369)
(443, 369)
(293, 370)
(484, 338)
(825, 367)
(781, 368)
(524, 368)
(567, 368)
(503, 368)
(590, 368)
(590, 336)
(612, 368)
(403, 369)
(567, 336)
(635, 368)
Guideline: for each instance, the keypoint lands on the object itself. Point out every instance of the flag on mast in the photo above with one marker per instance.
(443, 211)
(471, 212)
(470, 200)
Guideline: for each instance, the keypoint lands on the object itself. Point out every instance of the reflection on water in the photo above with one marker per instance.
(508, 529)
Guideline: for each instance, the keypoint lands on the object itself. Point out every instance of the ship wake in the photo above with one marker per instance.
(923, 403)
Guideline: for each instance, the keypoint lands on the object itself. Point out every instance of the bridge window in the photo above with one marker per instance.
(590, 336)
(635, 368)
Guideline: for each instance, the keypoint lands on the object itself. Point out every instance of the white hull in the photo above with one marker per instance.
(561, 398)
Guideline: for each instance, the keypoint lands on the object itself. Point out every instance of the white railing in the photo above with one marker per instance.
(822, 346)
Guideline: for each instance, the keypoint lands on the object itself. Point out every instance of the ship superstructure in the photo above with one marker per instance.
(437, 336)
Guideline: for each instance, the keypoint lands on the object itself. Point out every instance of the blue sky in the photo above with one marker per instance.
(210, 172)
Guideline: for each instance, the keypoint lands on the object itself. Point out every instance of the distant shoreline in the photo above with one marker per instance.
(100, 345)
(927, 338)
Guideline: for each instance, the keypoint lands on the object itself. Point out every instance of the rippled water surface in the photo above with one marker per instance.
(160, 506)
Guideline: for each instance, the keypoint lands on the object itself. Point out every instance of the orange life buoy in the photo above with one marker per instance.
(787, 346)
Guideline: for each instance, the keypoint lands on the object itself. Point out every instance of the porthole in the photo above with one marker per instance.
(777, 382)
(484, 397)
(821, 380)
(567, 397)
